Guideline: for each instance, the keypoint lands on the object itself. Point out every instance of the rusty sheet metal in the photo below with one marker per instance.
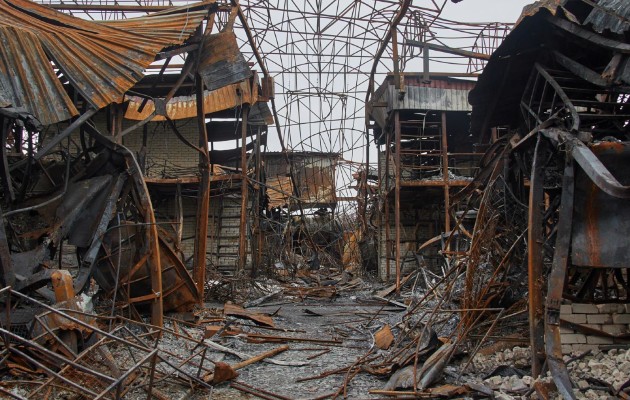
(168, 23)
(612, 15)
(532, 9)
(314, 173)
(183, 107)
(21, 56)
(427, 98)
(279, 189)
(600, 234)
(222, 63)
(100, 61)
(50, 321)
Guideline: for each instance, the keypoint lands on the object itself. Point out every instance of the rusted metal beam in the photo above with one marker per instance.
(63, 134)
(388, 152)
(590, 36)
(5, 176)
(6, 264)
(449, 50)
(447, 201)
(203, 195)
(580, 70)
(555, 289)
(145, 207)
(397, 195)
(535, 260)
(242, 234)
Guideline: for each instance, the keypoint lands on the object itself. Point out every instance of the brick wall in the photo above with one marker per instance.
(415, 228)
(612, 319)
(167, 155)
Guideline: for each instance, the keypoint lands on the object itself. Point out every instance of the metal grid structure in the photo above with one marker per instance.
(321, 55)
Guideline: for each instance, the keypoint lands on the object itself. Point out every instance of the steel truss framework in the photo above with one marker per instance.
(321, 55)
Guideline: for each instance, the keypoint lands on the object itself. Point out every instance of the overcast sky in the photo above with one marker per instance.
(484, 10)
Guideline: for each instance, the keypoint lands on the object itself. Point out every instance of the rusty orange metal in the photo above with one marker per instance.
(100, 60)
(182, 107)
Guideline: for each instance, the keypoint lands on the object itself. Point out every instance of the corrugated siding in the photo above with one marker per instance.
(314, 174)
(279, 188)
(426, 98)
(613, 15)
(27, 83)
(102, 62)
(186, 106)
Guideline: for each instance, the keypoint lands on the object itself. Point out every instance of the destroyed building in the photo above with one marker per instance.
(188, 195)
(428, 155)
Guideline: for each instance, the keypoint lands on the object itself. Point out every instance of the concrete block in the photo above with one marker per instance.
(573, 338)
(628, 308)
(611, 308)
(585, 309)
(566, 330)
(581, 348)
(599, 319)
(567, 348)
(615, 329)
(599, 340)
(575, 318)
(566, 309)
(594, 326)
(621, 318)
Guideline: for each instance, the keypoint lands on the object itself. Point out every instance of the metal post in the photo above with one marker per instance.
(388, 152)
(203, 196)
(6, 264)
(447, 201)
(242, 235)
(397, 196)
(535, 262)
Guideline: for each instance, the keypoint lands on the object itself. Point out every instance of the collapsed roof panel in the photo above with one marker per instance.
(222, 62)
(181, 107)
(21, 61)
(612, 15)
(99, 60)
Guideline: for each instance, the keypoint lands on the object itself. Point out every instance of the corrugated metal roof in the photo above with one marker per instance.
(612, 15)
(428, 98)
(21, 55)
(100, 60)
(186, 106)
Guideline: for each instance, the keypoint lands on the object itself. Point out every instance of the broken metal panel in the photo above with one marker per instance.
(428, 98)
(166, 25)
(80, 207)
(101, 62)
(599, 235)
(222, 63)
(279, 190)
(314, 173)
(22, 61)
(182, 107)
(611, 15)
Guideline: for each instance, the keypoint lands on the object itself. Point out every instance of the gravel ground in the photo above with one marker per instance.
(352, 321)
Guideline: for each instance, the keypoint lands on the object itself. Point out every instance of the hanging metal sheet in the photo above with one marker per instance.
(101, 61)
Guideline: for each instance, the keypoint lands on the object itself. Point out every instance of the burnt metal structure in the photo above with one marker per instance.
(69, 89)
(563, 91)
